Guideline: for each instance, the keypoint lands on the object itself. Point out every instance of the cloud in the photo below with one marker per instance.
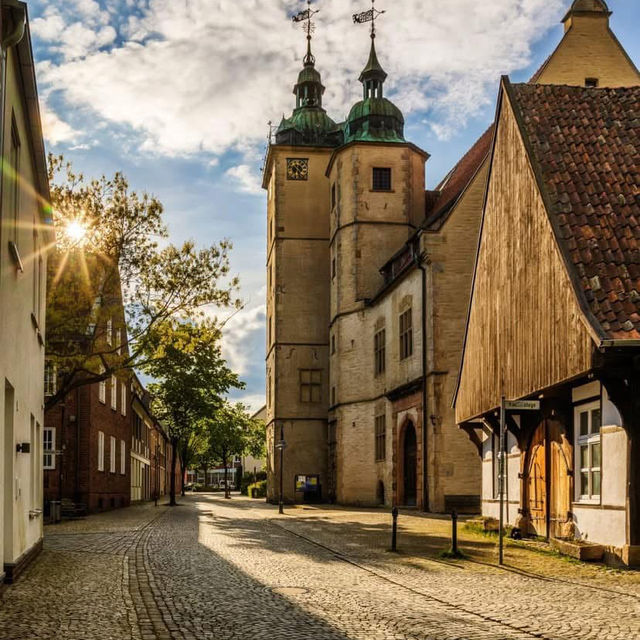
(246, 179)
(243, 339)
(254, 401)
(54, 129)
(206, 75)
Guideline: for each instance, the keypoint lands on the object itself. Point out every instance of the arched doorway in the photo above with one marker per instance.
(548, 473)
(409, 467)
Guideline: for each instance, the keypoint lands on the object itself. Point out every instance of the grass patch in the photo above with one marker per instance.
(449, 554)
(478, 529)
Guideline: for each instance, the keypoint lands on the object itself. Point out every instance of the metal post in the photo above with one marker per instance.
(503, 447)
(454, 532)
(281, 505)
(394, 528)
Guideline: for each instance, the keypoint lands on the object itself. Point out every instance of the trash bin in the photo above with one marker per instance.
(55, 511)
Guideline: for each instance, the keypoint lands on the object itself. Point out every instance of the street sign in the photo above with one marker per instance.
(522, 405)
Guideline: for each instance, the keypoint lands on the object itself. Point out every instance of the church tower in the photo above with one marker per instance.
(298, 204)
(377, 182)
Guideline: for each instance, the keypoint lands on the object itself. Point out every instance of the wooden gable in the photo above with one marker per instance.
(525, 330)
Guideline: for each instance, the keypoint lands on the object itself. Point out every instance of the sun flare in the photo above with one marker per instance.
(76, 231)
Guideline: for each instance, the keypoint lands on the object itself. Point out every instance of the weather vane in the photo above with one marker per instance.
(309, 27)
(369, 16)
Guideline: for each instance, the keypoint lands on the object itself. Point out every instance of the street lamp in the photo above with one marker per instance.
(282, 445)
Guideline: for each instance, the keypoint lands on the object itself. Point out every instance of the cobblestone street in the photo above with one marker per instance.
(235, 569)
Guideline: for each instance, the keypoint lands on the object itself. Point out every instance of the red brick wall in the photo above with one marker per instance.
(84, 416)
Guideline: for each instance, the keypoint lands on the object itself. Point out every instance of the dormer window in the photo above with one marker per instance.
(591, 83)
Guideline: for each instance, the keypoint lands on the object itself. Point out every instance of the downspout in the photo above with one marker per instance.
(419, 261)
(9, 39)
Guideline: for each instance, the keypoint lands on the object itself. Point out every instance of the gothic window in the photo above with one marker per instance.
(406, 334)
(310, 385)
(333, 196)
(381, 179)
(379, 349)
(381, 437)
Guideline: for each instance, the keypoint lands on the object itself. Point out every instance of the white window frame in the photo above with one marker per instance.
(123, 399)
(123, 458)
(50, 378)
(48, 459)
(100, 451)
(102, 388)
(588, 440)
(118, 333)
(114, 393)
(112, 454)
(109, 334)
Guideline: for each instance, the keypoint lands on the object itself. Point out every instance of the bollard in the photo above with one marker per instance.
(394, 529)
(454, 533)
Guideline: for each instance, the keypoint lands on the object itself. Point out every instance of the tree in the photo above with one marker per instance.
(231, 431)
(112, 253)
(191, 379)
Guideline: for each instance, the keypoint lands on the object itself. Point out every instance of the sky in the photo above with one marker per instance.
(178, 94)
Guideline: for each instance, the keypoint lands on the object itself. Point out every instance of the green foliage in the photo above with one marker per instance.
(249, 478)
(257, 490)
(122, 262)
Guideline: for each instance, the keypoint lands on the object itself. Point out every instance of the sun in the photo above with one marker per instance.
(76, 231)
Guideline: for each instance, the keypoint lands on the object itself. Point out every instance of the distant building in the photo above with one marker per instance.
(26, 233)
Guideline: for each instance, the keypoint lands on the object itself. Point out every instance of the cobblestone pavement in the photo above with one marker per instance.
(230, 570)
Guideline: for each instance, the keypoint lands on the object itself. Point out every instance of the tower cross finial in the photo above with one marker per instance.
(369, 16)
(309, 27)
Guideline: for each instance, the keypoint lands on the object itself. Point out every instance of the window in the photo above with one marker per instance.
(381, 437)
(112, 454)
(495, 462)
(587, 420)
(269, 332)
(100, 451)
(333, 268)
(14, 186)
(109, 336)
(310, 385)
(333, 396)
(379, 351)
(591, 83)
(102, 389)
(406, 335)
(48, 446)
(333, 196)
(123, 399)
(118, 342)
(114, 393)
(333, 344)
(50, 378)
(123, 458)
(381, 179)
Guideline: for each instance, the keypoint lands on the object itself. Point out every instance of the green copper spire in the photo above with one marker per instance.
(374, 118)
(309, 124)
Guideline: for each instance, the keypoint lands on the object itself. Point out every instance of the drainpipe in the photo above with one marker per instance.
(419, 261)
(11, 34)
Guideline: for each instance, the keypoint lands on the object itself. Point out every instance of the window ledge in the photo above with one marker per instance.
(587, 503)
(15, 255)
(382, 190)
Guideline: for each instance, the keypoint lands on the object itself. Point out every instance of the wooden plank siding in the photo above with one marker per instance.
(525, 330)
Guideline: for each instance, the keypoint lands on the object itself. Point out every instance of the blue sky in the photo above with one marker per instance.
(177, 94)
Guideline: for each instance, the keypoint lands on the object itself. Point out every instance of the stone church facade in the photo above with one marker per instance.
(369, 276)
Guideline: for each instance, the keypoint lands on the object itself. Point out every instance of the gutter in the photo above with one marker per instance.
(19, 15)
(419, 262)
(612, 343)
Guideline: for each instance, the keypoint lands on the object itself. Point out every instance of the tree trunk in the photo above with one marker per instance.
(227, 493)
(174, 459)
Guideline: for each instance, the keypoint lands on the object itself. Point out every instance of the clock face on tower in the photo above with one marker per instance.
(297, 168)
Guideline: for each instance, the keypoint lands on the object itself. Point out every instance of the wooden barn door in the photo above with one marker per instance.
(537, 483)
(549, 480)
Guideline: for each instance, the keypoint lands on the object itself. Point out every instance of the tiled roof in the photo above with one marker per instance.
(584, 145)
(456, 181)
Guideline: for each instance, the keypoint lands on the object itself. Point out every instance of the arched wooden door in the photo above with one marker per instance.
(409, 467)
(548, 480)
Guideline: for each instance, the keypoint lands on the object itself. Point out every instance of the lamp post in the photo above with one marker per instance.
(282, 445)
